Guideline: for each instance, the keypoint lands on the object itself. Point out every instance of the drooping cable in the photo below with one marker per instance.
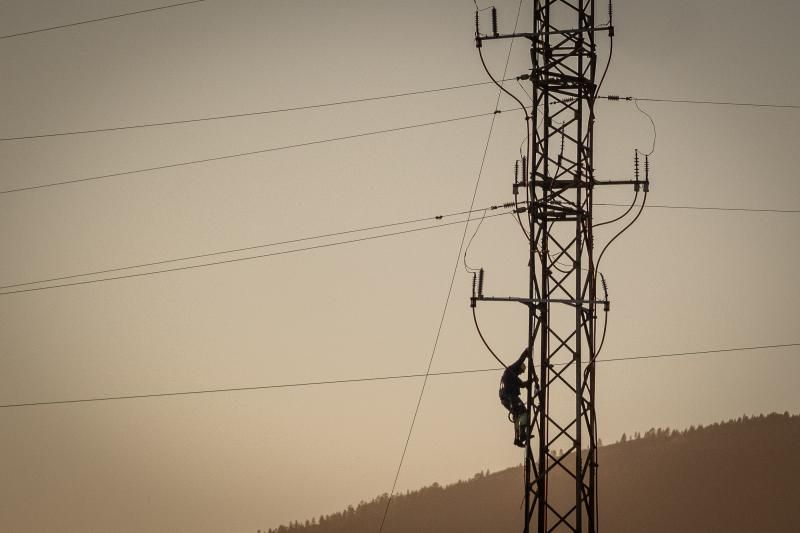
(438, 333)
(101, 19)
(444, 310)
(252, 152)
(709, 208)
(253, 247)
(241, 259)
(247, 114)
(502, 89)
(522, 106)
(653, 123)
(610, 27)
(468, 268)
(605, 70)
(623, 215)
(720, 209)
(527, 131)
(617, 98)
(480, 334)
(500, 85)
(375, 378)
(623, 230)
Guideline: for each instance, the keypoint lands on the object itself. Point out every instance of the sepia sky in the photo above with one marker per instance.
(679, 280)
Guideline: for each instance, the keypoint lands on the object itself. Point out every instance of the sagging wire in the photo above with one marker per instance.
(500, 86)
(507, 205)
(468, 268)
(610, 26)
(610, 49)
(652, 122)
(595, 437)
(529, 95)
(623, 230)
(623, 215)
(646, 185)
(527, 128)
(480, 334)
(589, 368)
(556, 264)
(513, 96)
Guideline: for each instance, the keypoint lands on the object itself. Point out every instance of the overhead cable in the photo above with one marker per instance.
(344, 232)
(707, 208)
(238, 259)
(449, 290)
(347, 102)
(251, 152)
(616, 98)
(376, 378)
(253, 247)
(128, 14)
(246, 114)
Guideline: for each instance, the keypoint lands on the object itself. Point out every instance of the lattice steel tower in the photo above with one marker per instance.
(558, 180)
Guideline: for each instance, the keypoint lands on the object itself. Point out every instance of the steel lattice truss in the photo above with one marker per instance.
(558, 180)
(563, 332)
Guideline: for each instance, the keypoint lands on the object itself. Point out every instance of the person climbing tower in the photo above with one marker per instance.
(510, 387)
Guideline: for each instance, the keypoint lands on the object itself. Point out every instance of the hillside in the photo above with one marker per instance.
(737, 476)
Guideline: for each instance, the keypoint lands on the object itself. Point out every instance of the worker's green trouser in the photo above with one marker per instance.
(521, 426)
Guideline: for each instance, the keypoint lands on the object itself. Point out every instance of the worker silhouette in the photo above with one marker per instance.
(510, 388)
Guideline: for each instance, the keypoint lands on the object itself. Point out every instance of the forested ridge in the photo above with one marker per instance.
(735, 476)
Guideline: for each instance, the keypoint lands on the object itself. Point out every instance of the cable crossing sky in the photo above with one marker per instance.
(4, 291)
(254, 152)
(378, 378)
(101, 19)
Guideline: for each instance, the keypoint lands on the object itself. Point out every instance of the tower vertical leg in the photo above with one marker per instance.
(560, 220)
(561, 300)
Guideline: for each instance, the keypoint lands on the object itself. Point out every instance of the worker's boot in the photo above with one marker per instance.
(519, 435)
(524, 427)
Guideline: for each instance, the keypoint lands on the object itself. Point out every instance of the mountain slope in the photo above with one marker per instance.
(737, 476)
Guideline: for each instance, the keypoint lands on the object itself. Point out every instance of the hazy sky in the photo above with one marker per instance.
(679, 280)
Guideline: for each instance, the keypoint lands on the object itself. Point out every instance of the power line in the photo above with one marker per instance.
(338, 103)
(240, 259)
(322, 236)
(615, 98)
(275, 149)
(450, 289)
(246, 114)
(242, 389)
(375, 378)
(100, 19)
(707, 208)
(698, 352)
(252, 152)
(254, 247)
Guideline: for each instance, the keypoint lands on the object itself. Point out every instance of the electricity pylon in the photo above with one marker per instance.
(558, 181)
